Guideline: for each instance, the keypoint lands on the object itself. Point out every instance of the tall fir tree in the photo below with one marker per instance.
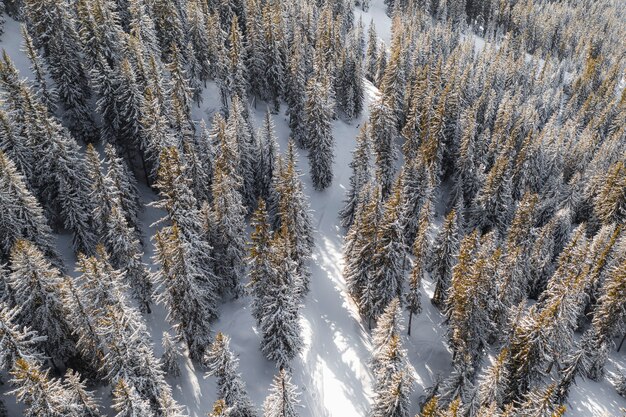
(223, 364)
(318, 134)
(282, 400)
(361, 176)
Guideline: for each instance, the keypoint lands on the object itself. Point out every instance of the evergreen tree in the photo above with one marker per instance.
(445, 251)
(371, 56)
(21, 216)
(389, 326)
(229, 215)
(383, 130)
(171, 355)
(55, 32)
(261, 269)
(294, 215)
(17, 342)
(34, 285)
(318, 134)
(267, 154)
(296, 90)
(41, 395)
(280, 324)
(394, 400)
(361, 175)
(128, 403)
(283, 398)
(390, 258)
(84, 400)
(223, 364)
(47, 94)
(191, 305)
(239, 134)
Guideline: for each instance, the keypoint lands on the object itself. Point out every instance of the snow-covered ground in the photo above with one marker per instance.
(332, 371)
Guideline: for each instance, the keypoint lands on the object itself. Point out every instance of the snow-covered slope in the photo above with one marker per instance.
(332, 371)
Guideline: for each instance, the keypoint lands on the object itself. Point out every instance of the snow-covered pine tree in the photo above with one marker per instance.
(237, 78)
(17, 342)
(445, 251)
(47, 93)
(296, 89)
(361, 175)
(394, 400)
(360, 248)
(41, 395)
(169, 26)
(229, 216)
(124, 184)
(492, 384)
(267, 155)
(84, 401)
(54, 30)
(383, 131)
(34, 285)
(389, 261)
(389, 325)
(283, 398)
(280, 322)
(191, 305)
(318, 134)
(371, 55)
(224, 365)
(294, 214)
(128, 403)
(171, 355)
(273, 55)
(239, 134)
(22, 216)
(421, 252)
(261, 268)
(125, 254)
(199, 38)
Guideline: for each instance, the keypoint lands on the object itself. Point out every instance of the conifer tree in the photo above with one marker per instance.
(128, 403)
(371, 56)
(120, 175)
(41, 395)
(267, 155)
(223, 364)
(261, 268)
(17, 342)
(229, 215)
(34, 286)
(318, 134)
(47, 94)
(237, 78)
(125, 249)
(191, 305)
(273, 56)
(296, 89)
(171, 355)
(383, 129)
(21, 215)
(84, 401)
(280, 323)
(445, 251)
(421, 254)
(360, 248)
(389, 326)
(55, 32)
(389, 260)
(361, 175)
(294, 215)
(394, 400)
(239, 134)
(283, 398)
